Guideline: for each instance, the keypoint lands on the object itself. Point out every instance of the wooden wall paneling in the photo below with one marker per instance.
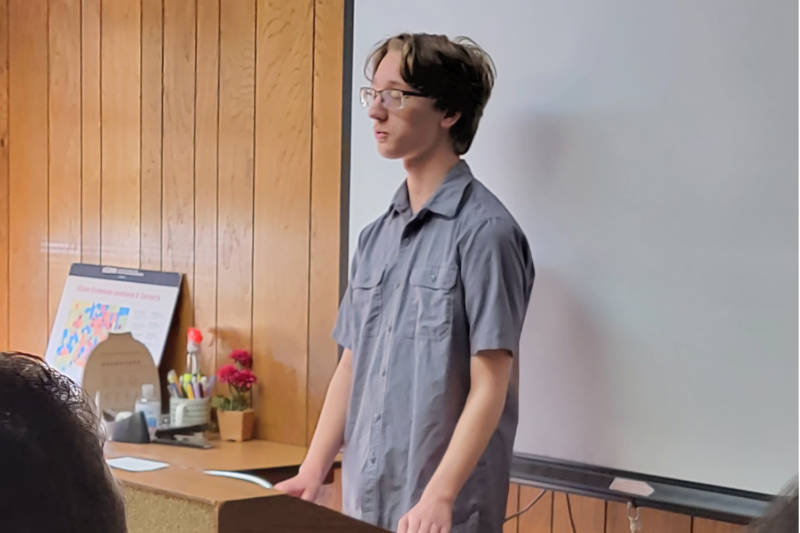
(235, 188)
(512, 506)
(539, 518)
(589, 514)
(64, 143)
(28, 176)
(120, 114)
(204, 292)
(282, 199)
(151, 133)
(4, 175)
(704, 525)
(90, 131)
(178, 232)
(325, 201)
(652, 520)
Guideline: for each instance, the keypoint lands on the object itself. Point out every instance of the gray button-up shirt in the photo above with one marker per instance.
(427, 291)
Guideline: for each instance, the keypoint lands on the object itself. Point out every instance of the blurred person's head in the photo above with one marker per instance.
(53, 476)
(781, 515)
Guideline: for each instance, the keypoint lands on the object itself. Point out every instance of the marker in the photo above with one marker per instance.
(208, 388)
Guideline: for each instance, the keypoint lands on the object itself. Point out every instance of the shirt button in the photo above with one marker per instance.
(390, 329)
(383, 372)
(377, 417)
(372, 460)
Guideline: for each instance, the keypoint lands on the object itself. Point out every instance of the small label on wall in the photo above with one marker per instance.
(631, 486)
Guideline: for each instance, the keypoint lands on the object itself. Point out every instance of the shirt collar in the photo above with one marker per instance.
(446, 199)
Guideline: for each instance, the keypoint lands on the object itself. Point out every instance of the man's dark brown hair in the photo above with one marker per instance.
(458, 75)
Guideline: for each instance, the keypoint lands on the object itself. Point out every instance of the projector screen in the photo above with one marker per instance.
(649, 151)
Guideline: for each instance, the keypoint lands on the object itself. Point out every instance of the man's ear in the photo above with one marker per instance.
(450, 118)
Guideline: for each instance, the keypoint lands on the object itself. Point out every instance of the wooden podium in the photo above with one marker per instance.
(182, 499)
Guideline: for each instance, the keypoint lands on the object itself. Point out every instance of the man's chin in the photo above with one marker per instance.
(388, 153)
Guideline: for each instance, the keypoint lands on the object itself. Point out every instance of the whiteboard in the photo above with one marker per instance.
(649, 152)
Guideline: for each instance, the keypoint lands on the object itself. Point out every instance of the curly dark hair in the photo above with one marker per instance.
(458, 74)
(54, 477)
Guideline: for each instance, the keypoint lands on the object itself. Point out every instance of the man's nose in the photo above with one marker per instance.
(376, 109)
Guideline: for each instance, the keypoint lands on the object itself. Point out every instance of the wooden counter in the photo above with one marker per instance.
(181, 498)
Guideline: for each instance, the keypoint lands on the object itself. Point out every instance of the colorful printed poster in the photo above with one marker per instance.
(100, 299)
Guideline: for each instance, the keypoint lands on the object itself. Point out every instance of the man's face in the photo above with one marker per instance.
(411, 132)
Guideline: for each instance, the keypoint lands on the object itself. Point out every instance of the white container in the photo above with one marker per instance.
(189, 412)
(150, 405)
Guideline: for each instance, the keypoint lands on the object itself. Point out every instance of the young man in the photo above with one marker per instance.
(424, 399)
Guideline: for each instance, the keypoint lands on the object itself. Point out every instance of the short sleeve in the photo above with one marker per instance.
(344, 332)
(497, 274)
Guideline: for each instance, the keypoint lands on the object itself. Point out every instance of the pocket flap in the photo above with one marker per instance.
(443, 277)
(367, 279)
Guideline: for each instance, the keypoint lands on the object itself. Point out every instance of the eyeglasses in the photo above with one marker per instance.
(390, 98)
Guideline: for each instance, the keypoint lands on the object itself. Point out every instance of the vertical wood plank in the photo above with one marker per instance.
(588, 513)
(90, 131)
(205, 191)
(704, 525)
(652, 520)
(538, 518)
(4, 180)
(512, 506)
(151, 137)
(178, 235)
(28, 176)
(120, 113)
(325, 202)
(64, 110)
(282, 197)
(235, 189)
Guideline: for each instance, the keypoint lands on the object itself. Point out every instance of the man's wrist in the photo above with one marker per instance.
(440, 490)
(313, 470)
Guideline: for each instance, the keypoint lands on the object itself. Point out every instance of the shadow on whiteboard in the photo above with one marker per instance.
(565, 390)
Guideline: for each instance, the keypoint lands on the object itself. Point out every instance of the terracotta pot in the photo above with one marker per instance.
(236, 425)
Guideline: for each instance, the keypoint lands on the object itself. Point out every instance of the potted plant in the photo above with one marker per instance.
(235, 413)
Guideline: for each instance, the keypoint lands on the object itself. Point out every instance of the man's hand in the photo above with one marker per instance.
(429, 515)
(303, 486)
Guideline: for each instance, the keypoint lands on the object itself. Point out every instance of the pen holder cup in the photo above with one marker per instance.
(187, 412)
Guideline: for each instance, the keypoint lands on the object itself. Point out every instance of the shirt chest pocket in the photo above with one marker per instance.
(430, 313)
(367, 289)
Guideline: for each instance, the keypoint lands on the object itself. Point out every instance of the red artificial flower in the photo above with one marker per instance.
(243, 379)
(226, 373)
(242, 357)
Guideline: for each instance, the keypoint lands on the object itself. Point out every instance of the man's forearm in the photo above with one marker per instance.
(490, 375)
(329, 433)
